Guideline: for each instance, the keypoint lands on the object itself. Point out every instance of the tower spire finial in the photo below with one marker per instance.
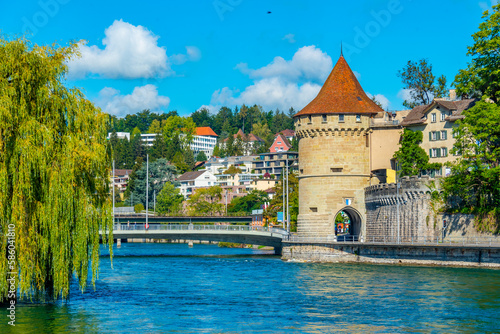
(341, 54)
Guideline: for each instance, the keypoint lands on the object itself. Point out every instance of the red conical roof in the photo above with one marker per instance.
(341, 94)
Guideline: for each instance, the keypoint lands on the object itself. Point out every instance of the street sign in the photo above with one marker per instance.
(280, 217)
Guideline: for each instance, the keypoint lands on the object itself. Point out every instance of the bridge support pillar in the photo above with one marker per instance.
(118, 242)
(277, 250)
(190, 243)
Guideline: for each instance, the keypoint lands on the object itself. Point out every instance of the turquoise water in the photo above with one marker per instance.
(158, 288)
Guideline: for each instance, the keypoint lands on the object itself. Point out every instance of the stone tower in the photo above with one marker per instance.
(334, 154)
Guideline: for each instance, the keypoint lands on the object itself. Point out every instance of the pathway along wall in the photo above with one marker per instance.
(417, 221)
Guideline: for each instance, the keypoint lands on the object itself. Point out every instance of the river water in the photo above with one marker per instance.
(157, 288)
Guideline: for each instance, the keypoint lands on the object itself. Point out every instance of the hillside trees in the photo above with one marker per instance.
(54, 173)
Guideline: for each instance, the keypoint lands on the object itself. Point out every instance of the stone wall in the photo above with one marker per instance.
(416, 218)
(438, 255)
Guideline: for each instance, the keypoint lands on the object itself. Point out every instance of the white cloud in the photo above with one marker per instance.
(129, 52)
(144, 97)
(384, 101)
(282, 83)
(289, 37)
(308, 63)
(192, 54)
(270, 93)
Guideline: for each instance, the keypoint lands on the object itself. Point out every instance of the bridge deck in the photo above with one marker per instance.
(223, 233)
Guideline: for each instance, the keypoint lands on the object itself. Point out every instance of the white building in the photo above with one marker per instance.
(148, 138)
(219, 165)
(204, 141)
(191, 181)
(120, 135)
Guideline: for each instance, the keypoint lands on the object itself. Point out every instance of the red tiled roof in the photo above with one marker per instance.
(286, 133)
(249, 137)
(341, 94)
(205, 131)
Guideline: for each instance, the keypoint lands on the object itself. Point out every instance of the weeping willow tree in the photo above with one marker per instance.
(54, 171)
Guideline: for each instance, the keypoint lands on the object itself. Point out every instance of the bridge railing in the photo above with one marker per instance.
(196, 227)
(423, 241)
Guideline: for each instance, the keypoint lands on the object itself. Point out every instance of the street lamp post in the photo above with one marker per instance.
(287, 198)
(147, 189)
(113, 192)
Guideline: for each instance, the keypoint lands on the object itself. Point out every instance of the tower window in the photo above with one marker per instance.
(336, 170)
(313, 209)
(341, 118)
(309, 119)
(358, 118)
(323, 118)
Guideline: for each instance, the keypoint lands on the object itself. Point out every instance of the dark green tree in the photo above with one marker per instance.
(160, 172)
(411, 158)
(482, 76)
(169, 200)
(252, 201)
(202, 117)
(206, 202)
(419, 80)
(201, 156)
(474, 183)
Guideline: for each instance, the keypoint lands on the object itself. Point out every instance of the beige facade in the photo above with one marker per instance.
(437, 121)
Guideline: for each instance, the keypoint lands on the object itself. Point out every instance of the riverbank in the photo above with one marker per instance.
(427, 255)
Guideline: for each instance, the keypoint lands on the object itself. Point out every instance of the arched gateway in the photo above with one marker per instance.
(334, 154)
(348, 224)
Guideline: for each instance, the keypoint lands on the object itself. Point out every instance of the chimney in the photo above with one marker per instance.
(453, 95)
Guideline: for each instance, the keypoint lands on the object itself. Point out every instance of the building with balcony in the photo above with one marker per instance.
(220, 165)
(280, 144)
(274, 163)
(204, 140)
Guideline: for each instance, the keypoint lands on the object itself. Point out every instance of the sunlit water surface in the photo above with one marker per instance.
(205, 289)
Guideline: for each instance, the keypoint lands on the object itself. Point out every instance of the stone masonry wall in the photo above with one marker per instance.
(416, 220)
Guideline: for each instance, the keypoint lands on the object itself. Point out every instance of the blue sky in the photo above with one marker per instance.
(182, 55)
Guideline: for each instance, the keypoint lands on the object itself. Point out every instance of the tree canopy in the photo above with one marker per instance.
(169, 200)
(206, 202)
(482, 76)
(418, 79)
(160, 172)
(249, 202)
(411, 158)
(474, 183)
(54, 172)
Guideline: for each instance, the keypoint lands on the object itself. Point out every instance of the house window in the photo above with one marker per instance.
(443, 116)
(444, 152)
(324, 118)
(432, 136)
(358, 118)
(434, 153)
(433, 118)
(279, 143)
(341, 118)
(444, 135)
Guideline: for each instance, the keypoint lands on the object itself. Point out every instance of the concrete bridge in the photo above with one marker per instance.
(244, 234)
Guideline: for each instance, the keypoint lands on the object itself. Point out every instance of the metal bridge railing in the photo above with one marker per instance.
(186, 227)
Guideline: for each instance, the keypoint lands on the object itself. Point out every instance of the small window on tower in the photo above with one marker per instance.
(309, 119)
(358, 118)
(324, 118)
(359, 98)
(313, 209)
(341, 118)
